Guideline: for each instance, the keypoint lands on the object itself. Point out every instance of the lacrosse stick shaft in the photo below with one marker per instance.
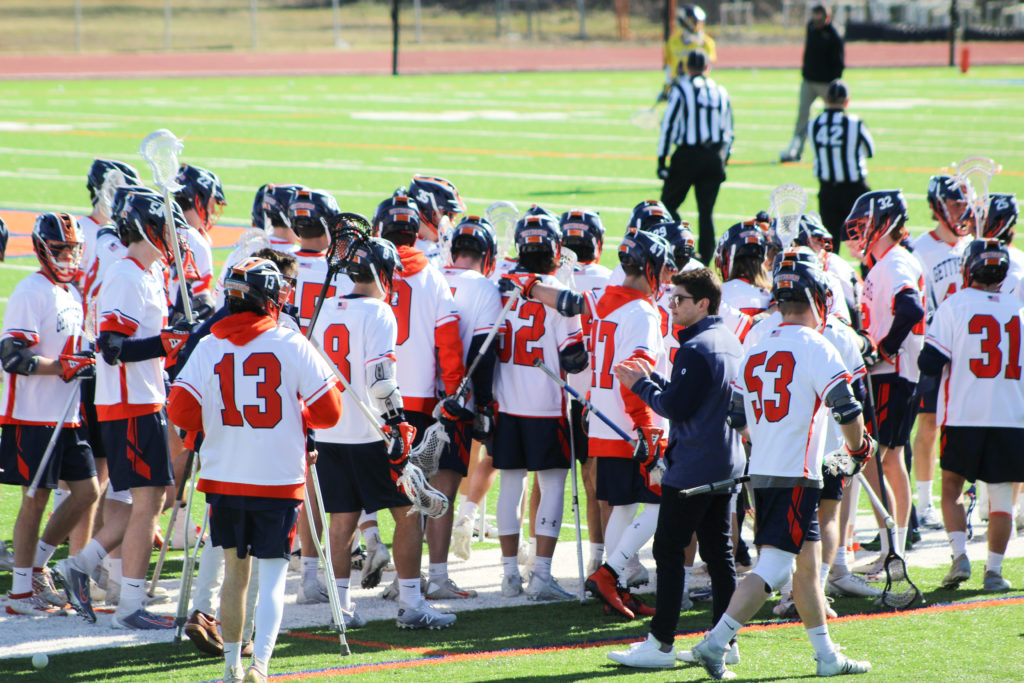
(52, 443)
(324, 551)
(878, 464)
(186, 581)
(713, 486)
(174, 518)
(320, 302)
(586, 404)
(875, 502)
(348, 387)
(488, 340)
(581, 594)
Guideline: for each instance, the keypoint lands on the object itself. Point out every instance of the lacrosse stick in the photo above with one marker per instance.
(899, 592)
(713, 486)
(69, 405)
(972, 501)
(324, 551)
(251, 241)
(347, 232)
(424, 497)
(174, 517)
(186, 576)
(785, 205)
(504, 216)
(566, 273)
(581, 594)
(586, 404)
(875, 502)
(976, 172)
(160, 149)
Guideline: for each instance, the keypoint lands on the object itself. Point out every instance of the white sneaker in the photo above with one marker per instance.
(234, 674)
(851, 585)
(959, 572)
(312, 592)
(32, 605)
(543, 590)
(447, 591)
(462, 538)
(391, 592)
(512, 586)
(713, 662)
(422, 616)
(732, 655)
(929, 519)
(994, 582)
(841, 665)
(786, 608)
(637, 575)
(351, 617)
(646, 654)
(42, 585)
(377, 558)
(685, 603)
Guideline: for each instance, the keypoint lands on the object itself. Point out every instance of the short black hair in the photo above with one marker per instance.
(400, 239)
(308, 231)
(697, 60)
(631, 270)
(236, 305)
(701, 283)
(286, 263)
(837, 92)
(465, 251)
(539, 262)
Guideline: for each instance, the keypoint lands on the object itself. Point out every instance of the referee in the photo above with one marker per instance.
(698, 120)
(842, 146)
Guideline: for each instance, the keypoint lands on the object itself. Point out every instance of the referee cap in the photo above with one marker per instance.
(837, 91)
(697, 60)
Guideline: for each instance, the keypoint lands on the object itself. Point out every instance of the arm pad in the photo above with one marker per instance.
(737, 415)
(383, 390)
(907, 311)
(17, 356)
(574, 358)
(570, 303)
(483, 375)
(845, 408)
(114, 347)
(931, 361)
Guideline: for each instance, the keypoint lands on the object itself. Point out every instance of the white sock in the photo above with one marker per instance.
(824, 648)
(824, 573)
(343, 592)
(924, 495)
(114, 569)
(89, 557)
(597, 552)
(269, 609)
(723, 632)
(309, 568)
(958, 542)
(409, 591)
(840, 562)
(533, 546)
(371, 535)
(788, 588)
(468, 511)
(438, 572)
(59, 496)
(232, 656)
(995, 562)
(44, 551)
(510, 565)
(686, 577)
(133, 593)
(901, 541)
(22, 581)
(542, 567)
(884, 539)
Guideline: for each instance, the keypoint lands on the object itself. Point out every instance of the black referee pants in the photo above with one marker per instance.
(710, 516)
(834, 203)
(703, 169)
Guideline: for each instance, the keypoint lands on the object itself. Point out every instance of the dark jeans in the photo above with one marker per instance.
(834, 203)
(678, 518)
(703, 169)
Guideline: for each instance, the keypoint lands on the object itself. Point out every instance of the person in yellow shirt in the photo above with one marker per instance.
(691, 36)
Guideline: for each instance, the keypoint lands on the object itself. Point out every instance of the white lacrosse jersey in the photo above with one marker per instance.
(735, 321)
(837, 304)
(849, 279)
(784, 379)
(1014, 282)
(980, 333)
(48, 315)
(940, 262)
(531, 331)
(895, 272)
(309, 282)
(131, 302)
(589, 277)
(432, 250)
(282, 245)
(478, 303)
(632, 329)
(357, 332)
(503, 266)
(89, 230)
(108, 250)
(202, 254)
(254, 436)
(745, 297)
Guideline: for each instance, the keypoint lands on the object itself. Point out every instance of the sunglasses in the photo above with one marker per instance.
(677, 299)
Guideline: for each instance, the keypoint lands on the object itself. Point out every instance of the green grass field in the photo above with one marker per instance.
(560, 140)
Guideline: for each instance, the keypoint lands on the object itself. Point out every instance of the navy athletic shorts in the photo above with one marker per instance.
(356, 476)
(253, 525)
(620, 482)
(455, 455)
(894, 397)
(137, 451)
(22, 447)
(530, 443)
(786, 517)
(989, 454)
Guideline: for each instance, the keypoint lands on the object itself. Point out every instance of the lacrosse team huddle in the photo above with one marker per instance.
(339, 366)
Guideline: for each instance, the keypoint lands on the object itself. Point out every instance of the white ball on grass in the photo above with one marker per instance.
(40, 660)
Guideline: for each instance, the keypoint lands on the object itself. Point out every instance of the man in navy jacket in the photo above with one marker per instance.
(701, 449)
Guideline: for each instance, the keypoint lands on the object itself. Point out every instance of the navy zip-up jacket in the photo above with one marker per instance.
(702, 448)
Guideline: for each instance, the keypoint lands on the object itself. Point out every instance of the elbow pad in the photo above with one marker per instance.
(110, 345)
(574, 358)
(569, 303)
(737, 415)
(845, 408)
(17, 357)
(383, 390)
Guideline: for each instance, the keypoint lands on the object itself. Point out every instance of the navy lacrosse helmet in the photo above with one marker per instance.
(538, 210)
(874, 215)
(140, 211)
(647, 252)
(746, 239)
(437, 199)
(1001, 215)
(202, 191)
(538, 233)
(475, 233)
(311, 213)
(986, 261)
(799, 253)
(803, 282)
(374, 258)
(4, 235)
(104, 176)
(947, 198)
(270, 205)
(397, 214)
(646, 214)
(811, 232)
(57, 240)
(257, 281)
(583, 232)
(680, 239)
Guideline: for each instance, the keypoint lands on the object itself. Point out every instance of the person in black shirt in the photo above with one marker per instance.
(823, 63)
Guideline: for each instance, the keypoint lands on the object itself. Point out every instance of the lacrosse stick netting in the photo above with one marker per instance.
(976, 173)
(785, 206)
(503, 216)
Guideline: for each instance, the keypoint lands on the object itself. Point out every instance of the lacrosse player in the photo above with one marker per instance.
(201, 198)
(940, 252)
(690, 37)
(739, 257)
(430, 352)
(532, 431)
(439, 205)
(40, 348)
(977, 332)
(253, 387)
(787, 385)
(813, 235)
(1000, 220)
(105, 176)
(893, 315)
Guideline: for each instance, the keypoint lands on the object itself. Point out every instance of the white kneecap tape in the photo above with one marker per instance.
(1000, 499)
(775, 566)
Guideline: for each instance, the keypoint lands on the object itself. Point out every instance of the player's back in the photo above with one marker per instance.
(746, 297)
(593, 278)
(532, 331)
(309, 282)
(940, 263)
(980, 332)
(108, 249)
(477, 301)
(356, 332)
(90, 229)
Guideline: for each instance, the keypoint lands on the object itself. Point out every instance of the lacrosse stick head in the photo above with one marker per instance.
(424, 497)
(899, 592)
(566, 268)
(427, 454)
(976, 172)
(476, 235)
(161, 149)
(786, 205)
(251, 241)
(839, 464)
(503, 216)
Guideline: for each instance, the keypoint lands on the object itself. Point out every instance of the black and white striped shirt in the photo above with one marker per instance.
(698, 113)
(842, 145)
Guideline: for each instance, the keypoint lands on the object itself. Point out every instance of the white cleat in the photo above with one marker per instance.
(422, 616)
(512, 586)
(841, 665)
(786, 609)
(462, 538)
(929, 519)
(377, 559)
(447, 591)
(959, 572)
(995, 583)
(31, 605)
(637, 575)
(42, 585)
(312, 592)
(543, 590)
(713, 662)
(851, 585)
(732, 655)
(646, 654)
